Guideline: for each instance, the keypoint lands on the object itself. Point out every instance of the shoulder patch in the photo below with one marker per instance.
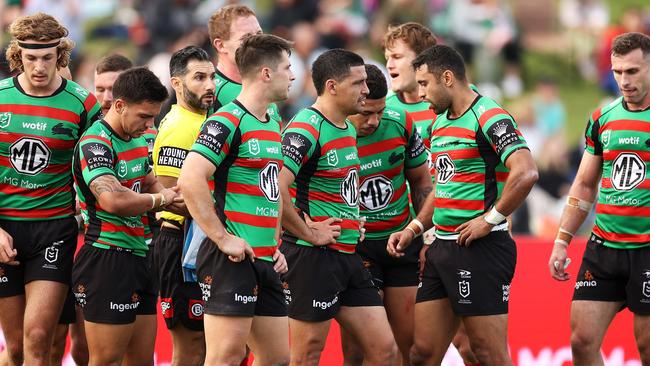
(6, 83)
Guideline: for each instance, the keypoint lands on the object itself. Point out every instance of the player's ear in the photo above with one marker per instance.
(447, 78)
(177, 83)
(330, 86)
(217, 43)
(266, 74)
(119, 105)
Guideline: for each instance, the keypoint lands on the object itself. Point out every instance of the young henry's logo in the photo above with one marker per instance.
(5, 118)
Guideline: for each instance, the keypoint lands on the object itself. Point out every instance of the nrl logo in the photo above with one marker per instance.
(606, 136)
(236, 112)
(481, 109)
(296, 141)
(5, 118)
(392, 113)
(81, 92)
(97, 150)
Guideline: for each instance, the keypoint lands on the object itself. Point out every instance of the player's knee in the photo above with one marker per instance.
(420, 355)
(352, 356)
(583, 342)
(38, 339)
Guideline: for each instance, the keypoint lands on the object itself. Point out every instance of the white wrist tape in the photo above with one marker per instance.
(579, 203)
(494, 217)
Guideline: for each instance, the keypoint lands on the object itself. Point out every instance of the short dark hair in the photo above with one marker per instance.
(376, 82)
(113, 63)
(440, 58)
(333, 64)
(180, 59)
(258, 50)
(628, 42)
(137, 85)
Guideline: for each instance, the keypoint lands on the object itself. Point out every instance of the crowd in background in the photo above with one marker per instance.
(492, 35)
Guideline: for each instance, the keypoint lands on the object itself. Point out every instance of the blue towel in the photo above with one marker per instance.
(193, 239)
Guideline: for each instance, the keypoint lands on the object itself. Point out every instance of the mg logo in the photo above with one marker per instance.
(445, 168)
(29, 155)
(628, 171)
(254, 146)
(376, 192)
(269, 181)
(350, 188)
(136, 186)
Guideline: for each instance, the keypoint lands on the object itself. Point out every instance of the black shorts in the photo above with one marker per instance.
(476, 279)
(68, 313)
(45, 252)
(239, 289)
(321, 280)
(388, 271)
(609, 274)
(180, 301)
(112, 286)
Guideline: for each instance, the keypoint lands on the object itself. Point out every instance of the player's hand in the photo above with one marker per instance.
(398, 242)
(170, 195)
(7, 251)
(280, 261)
(423, 259)
(472, 230)
(324, 232)
(362, 229)
(236, 248)
(558, 262)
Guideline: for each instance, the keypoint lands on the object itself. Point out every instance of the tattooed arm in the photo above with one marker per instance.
(420, 184)
(113, 197)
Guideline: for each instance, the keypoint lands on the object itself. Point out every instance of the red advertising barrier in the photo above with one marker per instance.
(539, 331)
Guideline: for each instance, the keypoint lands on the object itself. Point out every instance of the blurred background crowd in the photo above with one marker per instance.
(546, 61)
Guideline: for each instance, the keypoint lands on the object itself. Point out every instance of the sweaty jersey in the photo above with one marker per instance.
(622, 138)
(177, 133)
(323, 158)
(37, 140)
(102, 152)
(384, 156)
(247, 155)
(468, 154)
(227, 90)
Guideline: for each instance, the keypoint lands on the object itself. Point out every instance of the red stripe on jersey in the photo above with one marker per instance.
(622, 210)
(339, 143)
(52, 143)
(613, 154)
(381, 146)
(132, 154)
(626, 125)
(37, 213)
(423, 115)
(459, 204)
(211, 184)
(477, 177)
(616, 237)
(261, 135)
(265, 251)
(589, 142)
(325, 197)
(57, 169)
(26, 192)
(241, 188)
(305, 126)
(292, 192)
(391, 223)
(234, 120)
(116, 228)
(252, 220)
(41, 111)
(89, 103)
(348, 248)
(345, 223)
(454, 132)
(95, 137)
(449, 229)
(482, 120)
(597, 113)
(408, 122)
(151, 131)
(398, 193)
(607, 183)
(333, 173)
(470, 153)
(257, 163)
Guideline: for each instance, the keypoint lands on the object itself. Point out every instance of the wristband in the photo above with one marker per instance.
(163, 202)
(561, 242)
(415, 235)
(416, 227)
(494, 217)
(153, 201)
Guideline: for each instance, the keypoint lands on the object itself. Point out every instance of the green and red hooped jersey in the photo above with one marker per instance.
(421, 114)
(468, 154)
(247, 154)
(385, 155)
(622, 138)
(227, 90)
(37, 140)
(101, 152)
(323, 157)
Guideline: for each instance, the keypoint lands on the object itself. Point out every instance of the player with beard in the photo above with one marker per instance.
(192, 76)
